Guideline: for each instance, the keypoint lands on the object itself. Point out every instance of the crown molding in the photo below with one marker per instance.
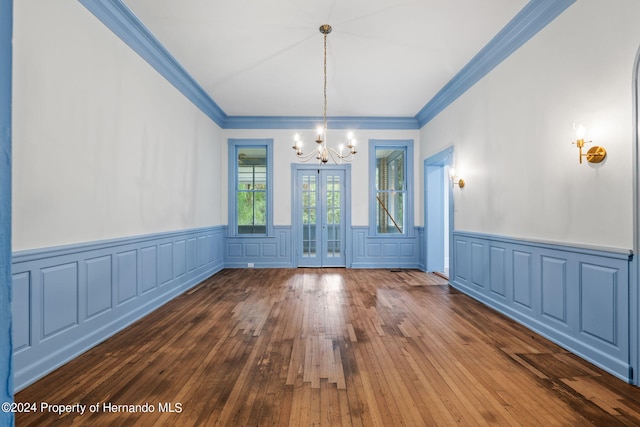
(311, 122)
(126, 25)
(528, 22)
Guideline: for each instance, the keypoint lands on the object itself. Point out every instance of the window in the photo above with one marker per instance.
(250, 195)
(391, 182)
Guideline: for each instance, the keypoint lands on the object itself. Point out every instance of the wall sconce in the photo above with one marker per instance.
(454, 179)
(595, 154)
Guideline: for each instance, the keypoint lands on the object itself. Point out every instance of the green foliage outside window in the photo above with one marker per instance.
(251, 190)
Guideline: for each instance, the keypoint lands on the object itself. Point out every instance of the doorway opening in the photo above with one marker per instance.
(438, 221)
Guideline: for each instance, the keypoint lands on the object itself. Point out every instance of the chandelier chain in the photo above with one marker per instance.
(325, 83)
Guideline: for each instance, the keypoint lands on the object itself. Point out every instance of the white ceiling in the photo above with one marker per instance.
(385, 57)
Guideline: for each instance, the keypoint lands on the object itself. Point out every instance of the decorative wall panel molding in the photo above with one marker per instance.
(577, 297)
(386, 251)
(68, 299)
(261, 251)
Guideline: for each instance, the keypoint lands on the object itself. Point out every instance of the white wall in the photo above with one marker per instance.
(284, 156)
(512, 132)
(103, 146)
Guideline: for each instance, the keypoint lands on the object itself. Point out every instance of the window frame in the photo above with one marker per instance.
(407, 146)
(234, 146)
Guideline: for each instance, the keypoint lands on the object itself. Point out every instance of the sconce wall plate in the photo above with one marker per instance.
(460, 183)
(596, 154)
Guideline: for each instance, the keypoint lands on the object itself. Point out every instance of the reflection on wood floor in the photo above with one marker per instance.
(308, 347)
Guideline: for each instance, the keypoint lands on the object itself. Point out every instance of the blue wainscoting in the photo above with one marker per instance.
(262, 251)
(385, 251)
(577, 297)
(68, 299)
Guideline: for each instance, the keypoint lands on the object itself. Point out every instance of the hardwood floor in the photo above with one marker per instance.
(308, 347)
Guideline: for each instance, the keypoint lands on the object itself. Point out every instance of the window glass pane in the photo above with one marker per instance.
(260, 208)
(390, 169)
(390, 212)
(390, 190)
(252, 168)
(251, 186)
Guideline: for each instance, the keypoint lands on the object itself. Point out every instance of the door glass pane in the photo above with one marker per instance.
(309, 216)
(333, 218)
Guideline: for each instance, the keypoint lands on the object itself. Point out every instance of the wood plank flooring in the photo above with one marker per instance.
(311, 347)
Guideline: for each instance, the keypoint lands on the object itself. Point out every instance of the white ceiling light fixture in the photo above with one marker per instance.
(323, 153)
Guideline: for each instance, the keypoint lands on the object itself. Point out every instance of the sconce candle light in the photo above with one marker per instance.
(454, 179)
(595, 154)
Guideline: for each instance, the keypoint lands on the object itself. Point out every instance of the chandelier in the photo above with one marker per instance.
(323, 153)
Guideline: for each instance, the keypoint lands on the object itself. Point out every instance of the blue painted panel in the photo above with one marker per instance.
(21, 305)
(219, 247)
(374, 250)
(99, 282)
(180, 257)
(149, 263)
(360, 244)
(211, 248)
(407, 250)
(234, 250)
(554, 288)
(598, 310)
(283, 244)
(165, 263)
(269, 250)
(497, 270)
(59, 298)
(422, 257)
(390, 249)
(127, 275)
(203, 250)
(477, 264)
(192, 251)
(522, 278)
(252, 250)
(462, 259)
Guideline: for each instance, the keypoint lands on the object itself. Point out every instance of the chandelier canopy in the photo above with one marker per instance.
(323, 153)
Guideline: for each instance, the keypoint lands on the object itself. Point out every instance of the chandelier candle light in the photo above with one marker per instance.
(323, 153)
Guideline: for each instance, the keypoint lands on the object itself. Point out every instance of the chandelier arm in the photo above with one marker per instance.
(343, 158)
(306, 157)
(333, 153)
